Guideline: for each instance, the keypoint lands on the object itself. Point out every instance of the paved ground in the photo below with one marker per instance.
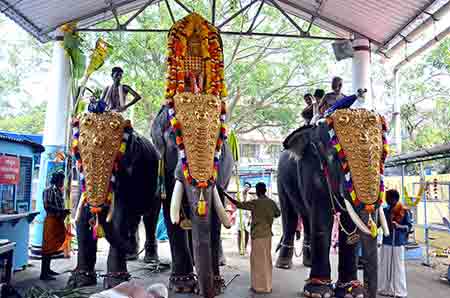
(422, 281)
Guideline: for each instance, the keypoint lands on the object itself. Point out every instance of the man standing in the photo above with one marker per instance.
(263, 210)
(54, 228)
(115, 95)
(392, 271)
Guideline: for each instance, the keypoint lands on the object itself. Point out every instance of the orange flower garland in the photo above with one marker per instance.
(211, 54)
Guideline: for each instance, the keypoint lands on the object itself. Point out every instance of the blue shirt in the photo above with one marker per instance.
(401, 234)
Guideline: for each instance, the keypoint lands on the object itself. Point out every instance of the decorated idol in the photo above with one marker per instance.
(118, 179)
(190, 134)
(338, 165)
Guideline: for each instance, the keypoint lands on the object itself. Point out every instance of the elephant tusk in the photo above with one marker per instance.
(383, 222)
(111, 210)
(79, 207)
(220, 209)
(355, 217)
(175, 204)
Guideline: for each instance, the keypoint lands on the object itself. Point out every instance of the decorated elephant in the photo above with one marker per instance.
(338, 166)
(189, 133)
(118, 178)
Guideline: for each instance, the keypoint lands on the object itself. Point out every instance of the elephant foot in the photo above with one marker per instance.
(113, 279)
(307, 259)
(317, 288)
(151, 254)
(80, 279)
(219, 285)
(183, 283)
(353, 289)
(284, 260)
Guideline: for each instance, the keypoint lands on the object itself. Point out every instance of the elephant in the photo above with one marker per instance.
(201, 245)
(134, 193)
(314, 186)
(151, 244)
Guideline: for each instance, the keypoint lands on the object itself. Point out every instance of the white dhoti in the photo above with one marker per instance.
(392, 271)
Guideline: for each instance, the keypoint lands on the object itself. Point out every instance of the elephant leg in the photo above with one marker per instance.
(319, 284)
(151, 245)
(217, 253)
(289, 219)
(182, 278)
(133, 235)
(222, 259)
(117, 268)
(307, 259)
(84, 274)
(347, 285)
(117, 257)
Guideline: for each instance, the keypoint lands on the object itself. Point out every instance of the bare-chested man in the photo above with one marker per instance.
(332, 97)
(115, 95)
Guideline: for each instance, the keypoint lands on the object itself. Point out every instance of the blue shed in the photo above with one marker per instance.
(19, 156)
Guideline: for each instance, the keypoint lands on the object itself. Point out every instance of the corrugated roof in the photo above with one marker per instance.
(384, 22)
(34, 141)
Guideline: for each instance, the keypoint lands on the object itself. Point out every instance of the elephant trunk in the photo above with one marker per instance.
(202, 246)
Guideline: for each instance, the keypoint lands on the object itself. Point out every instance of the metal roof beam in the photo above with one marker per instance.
(183, 6)
(221, 32)
(213, 12)
(237, 13)
(250, 29)
(89, 15)
(329, 21)
(22, 21)
(425, 8)
(137, 13)
(280, 9)
(313, 18)
(170, 11)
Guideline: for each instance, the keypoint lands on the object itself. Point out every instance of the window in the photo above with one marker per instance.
(250, 150)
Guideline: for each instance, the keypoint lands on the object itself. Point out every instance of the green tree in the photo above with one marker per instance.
(266, 77)
(31, 120)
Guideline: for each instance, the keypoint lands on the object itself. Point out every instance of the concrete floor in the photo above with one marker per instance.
(422, 281)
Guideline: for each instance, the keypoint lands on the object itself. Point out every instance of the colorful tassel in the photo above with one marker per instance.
(201, 207)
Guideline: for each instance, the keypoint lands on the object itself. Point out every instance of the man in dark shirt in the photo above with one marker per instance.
(115, 95)
(54, 229)
(263, 210)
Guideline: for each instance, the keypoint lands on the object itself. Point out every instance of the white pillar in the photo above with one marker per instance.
(58, 100)
(361, 69)
(54, 138)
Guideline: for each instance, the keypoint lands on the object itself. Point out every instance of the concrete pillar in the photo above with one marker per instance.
(54, 140)
(361, 69)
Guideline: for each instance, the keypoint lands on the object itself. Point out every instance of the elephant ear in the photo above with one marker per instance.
(298, 140)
